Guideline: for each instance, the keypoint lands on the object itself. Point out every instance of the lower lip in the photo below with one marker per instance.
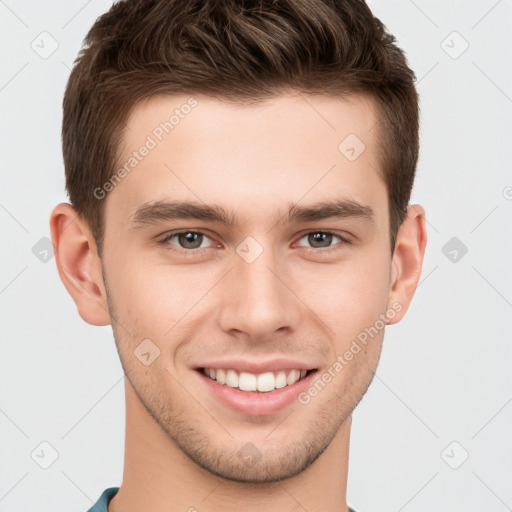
(255, 403)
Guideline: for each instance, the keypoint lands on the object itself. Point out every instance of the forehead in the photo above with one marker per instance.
(290, 148)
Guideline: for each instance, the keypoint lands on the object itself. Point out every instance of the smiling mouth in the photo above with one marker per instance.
(262, 382)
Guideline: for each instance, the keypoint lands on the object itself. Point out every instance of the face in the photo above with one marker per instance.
(246, 255)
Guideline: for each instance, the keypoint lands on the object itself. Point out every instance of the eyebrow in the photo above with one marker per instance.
(161, 211)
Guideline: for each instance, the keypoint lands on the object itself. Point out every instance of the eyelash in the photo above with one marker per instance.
(193, 252)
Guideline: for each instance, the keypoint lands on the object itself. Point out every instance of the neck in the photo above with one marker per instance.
(159, 477)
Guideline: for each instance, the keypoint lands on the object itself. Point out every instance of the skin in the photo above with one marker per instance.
(295, 300)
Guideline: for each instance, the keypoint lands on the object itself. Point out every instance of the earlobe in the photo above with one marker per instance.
(407, 260)
(78, 264)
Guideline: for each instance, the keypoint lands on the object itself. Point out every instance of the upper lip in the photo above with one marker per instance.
(257, 367)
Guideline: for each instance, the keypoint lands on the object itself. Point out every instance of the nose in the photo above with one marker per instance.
(258, 300)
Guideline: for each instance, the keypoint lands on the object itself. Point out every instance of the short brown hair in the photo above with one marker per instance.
(240, 51)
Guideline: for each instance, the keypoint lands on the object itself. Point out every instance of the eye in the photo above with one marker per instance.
(321, 239)
(187, 240)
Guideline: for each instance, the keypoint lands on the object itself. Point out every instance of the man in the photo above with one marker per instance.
(239, 176)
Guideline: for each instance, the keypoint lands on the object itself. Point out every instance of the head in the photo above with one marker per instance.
(239, 177)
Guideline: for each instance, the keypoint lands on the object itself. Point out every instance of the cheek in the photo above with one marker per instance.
(350, 296)
(152, 298)
(159, 302)
(150, 294)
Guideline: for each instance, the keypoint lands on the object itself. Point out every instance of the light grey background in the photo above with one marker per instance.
(445, 372)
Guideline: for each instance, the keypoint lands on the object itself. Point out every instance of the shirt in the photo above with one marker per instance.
(102, 504)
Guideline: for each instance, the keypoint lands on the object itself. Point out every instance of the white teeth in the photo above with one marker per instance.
(247, 381)
(221, 377)
(264, 382)
(232, 379)
(280, 380)
(293, 377)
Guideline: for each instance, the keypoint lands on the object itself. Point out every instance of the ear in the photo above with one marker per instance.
(78, 264)
(407, 261)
